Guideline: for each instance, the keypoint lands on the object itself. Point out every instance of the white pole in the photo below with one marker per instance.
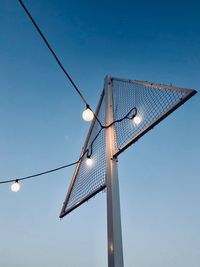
(115, 250)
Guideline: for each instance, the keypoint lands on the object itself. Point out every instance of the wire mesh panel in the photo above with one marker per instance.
(153, 103)
(89, 179)
(137, 108)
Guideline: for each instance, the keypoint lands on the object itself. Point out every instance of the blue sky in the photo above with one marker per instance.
(42, 128)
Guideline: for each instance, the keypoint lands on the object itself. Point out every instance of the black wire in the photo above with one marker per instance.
(98, 120)
(45, 172)
(57, 60)
(89, 153)
(127, 116)
(82, 97)
(38, 174)
(53, 53)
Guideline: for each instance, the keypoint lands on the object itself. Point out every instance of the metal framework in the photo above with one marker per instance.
(153, 103)
(115, 252)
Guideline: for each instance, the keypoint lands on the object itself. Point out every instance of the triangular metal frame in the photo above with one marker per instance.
(115, 251)
(188, 93)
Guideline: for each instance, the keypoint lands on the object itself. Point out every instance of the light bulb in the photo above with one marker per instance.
(137, 120)
(89, 161)
(87, 114)
(15, 186)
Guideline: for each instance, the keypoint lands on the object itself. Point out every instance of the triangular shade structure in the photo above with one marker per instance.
(149, 102)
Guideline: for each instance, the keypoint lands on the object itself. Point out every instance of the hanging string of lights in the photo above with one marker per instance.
(87, 113)
(131, 115)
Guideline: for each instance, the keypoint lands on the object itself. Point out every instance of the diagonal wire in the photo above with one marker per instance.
(43, 173)
(128, 116)
(57, 60)
(39, 174)
(53, 53)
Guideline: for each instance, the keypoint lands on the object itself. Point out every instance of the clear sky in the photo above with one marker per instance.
(41, 128)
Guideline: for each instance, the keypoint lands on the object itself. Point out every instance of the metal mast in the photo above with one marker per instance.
(115, 250)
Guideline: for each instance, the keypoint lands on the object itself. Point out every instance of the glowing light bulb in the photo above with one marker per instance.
(15, 187)
(89, 162)
(87, 114)
(137, 120)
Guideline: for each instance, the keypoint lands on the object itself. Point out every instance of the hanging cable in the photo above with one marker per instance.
(60, 64)
(43, 173)
(53, 53)
(39, 174)
(88, 152)
(129, 116)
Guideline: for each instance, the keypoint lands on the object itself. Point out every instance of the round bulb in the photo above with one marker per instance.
(89, 162)
(15, 187)
(137, 120)
(88, 115)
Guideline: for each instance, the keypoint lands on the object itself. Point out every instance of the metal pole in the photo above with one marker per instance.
(115, 250)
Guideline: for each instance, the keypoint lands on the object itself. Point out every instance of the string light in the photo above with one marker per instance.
(15, 187)
(137, 120)
(89, 161)
(52, 52)
(87, 114)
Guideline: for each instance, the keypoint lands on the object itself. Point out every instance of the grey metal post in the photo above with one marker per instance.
(115, 250)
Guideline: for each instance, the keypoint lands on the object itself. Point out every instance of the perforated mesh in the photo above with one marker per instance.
(90, 179)
(152, 102)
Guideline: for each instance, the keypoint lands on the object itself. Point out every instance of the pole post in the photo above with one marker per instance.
(114, 231)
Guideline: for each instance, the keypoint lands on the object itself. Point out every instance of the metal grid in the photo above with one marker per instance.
(89, 180)
(153, 103)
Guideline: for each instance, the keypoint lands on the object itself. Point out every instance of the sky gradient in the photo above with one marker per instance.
(42, 128)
